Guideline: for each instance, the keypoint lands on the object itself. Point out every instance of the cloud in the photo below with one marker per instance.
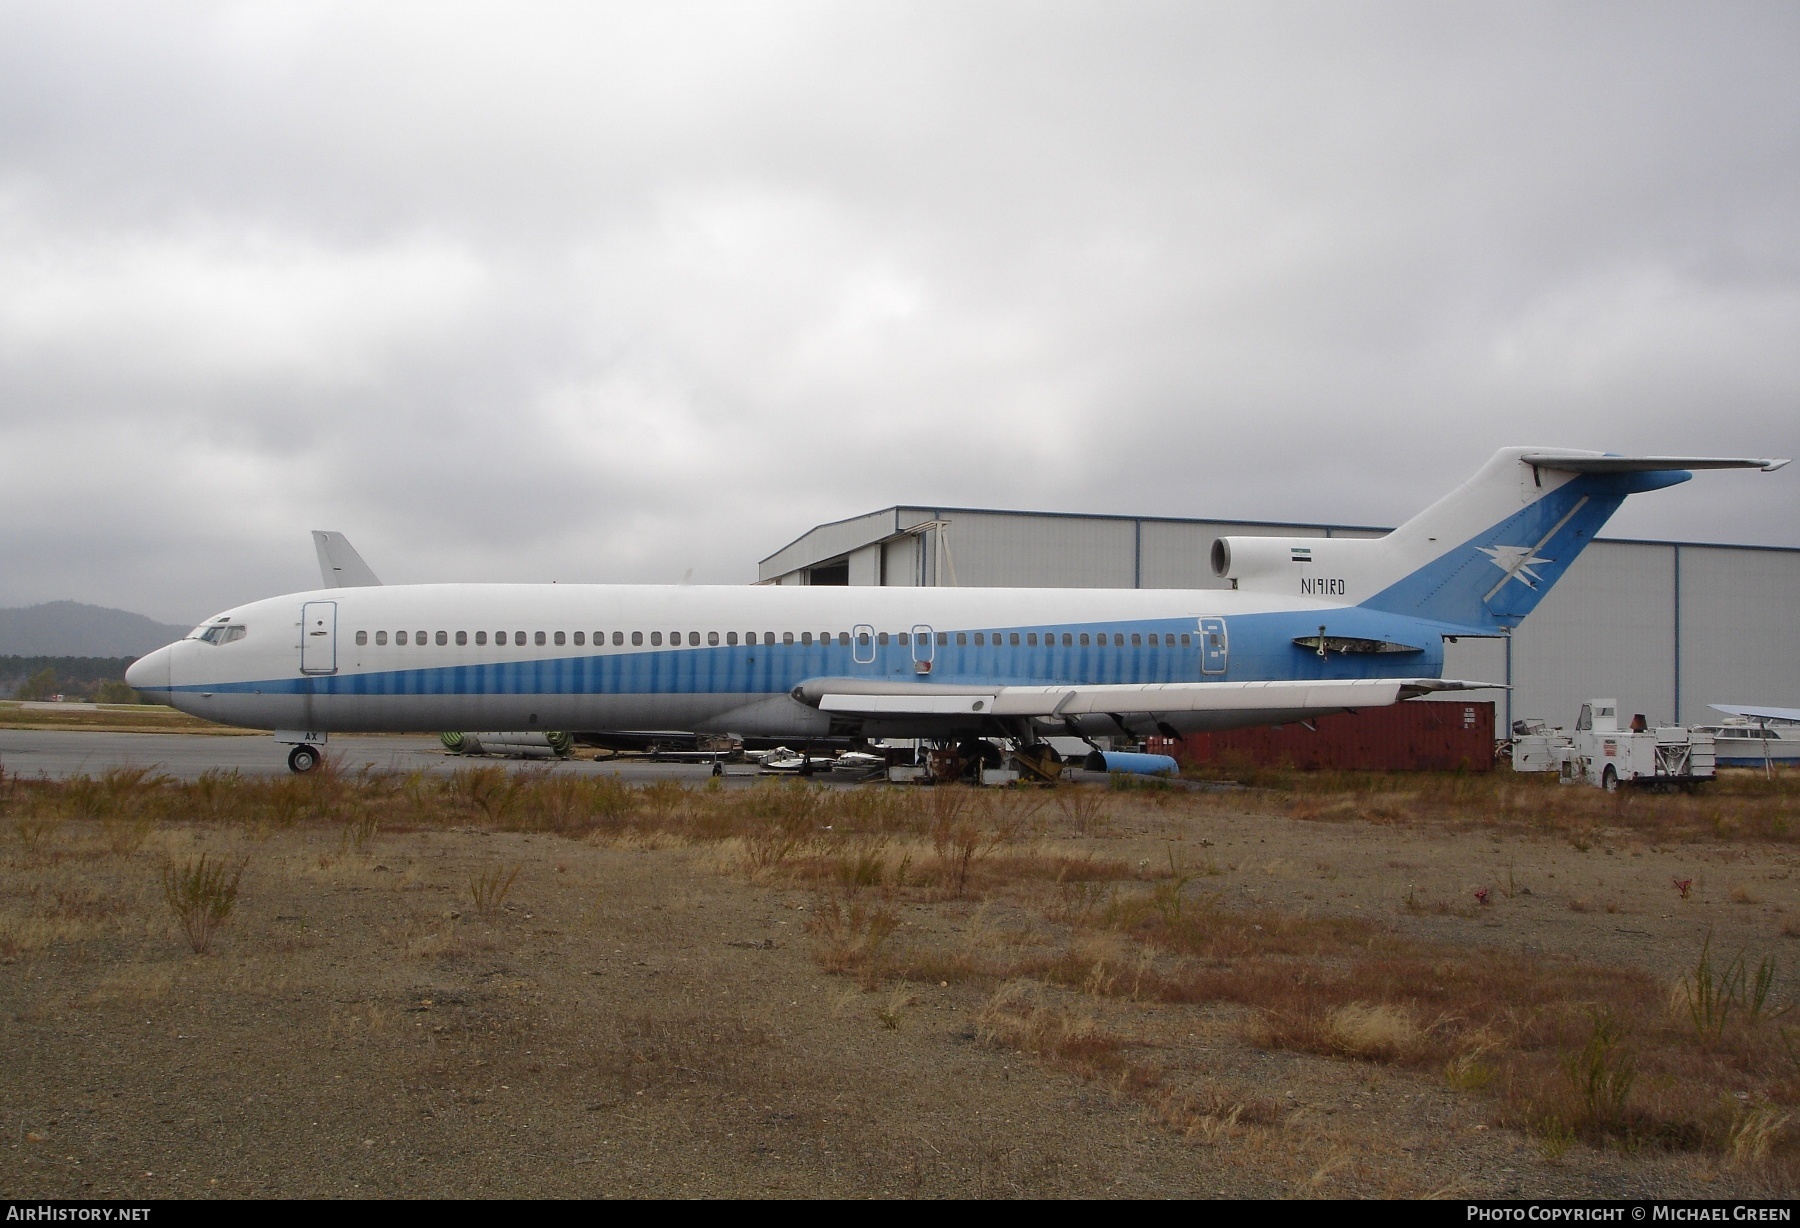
(609, 293)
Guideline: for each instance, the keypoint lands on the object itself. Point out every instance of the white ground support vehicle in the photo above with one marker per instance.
(1600, 753)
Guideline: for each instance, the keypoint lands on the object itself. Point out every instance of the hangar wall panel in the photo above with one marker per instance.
(900, 563)
(1040, 551)
(1606, 629)
(1739, 613)
(865, 565)
(1175, 554)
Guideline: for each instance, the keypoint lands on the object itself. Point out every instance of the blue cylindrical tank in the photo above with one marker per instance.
(1126, 761)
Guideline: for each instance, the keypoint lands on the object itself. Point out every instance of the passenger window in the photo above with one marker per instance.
(399, 637)
(481, 637)
(580, 638)
(462, 638)
(712, 639)
(559, 641)
(843, 639)
(731, 638)
(980, 639)
(903, 639)
(1012, 638)
(539, 637)
(825, 638)
(943, 637)
(443, 638)
(1068, 640)
(656, 638)
(637, 637)
(380, 637)
(862, 639)
(787, 637)
(1084, 639)
(1136, 639)
(1187, 641)
(806, 638)
(693, 639)
(619, 638)
(519, 638)
(881, 637)
(962, 638)
(362, 637)
(1031, 639)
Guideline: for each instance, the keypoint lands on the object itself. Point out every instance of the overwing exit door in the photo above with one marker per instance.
(1214, 647)
(923, 646)
(318, 637)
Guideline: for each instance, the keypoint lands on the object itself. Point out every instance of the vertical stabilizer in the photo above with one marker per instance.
(339, 562)
(1480, 558)
(1484, 555)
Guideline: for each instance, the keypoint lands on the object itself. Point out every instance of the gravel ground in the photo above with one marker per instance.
(642, 1020)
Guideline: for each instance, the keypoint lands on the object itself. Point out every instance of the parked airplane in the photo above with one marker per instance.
(1309, 626)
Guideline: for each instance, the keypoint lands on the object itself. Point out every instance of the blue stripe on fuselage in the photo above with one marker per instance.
(1261, 648)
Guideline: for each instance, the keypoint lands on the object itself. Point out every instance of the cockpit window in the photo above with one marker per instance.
(220, 634)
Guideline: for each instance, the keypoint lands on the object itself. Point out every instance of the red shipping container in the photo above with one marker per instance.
(1416, 736)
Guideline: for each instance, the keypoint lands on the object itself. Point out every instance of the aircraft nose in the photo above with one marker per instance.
(150, 672)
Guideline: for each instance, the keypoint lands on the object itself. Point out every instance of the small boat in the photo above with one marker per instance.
(1745, 743)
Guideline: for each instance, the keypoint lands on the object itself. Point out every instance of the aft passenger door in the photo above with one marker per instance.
(1214, 647)
(318, 637)
(862, 644)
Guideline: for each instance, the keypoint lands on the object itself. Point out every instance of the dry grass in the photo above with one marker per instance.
(202, 893)
(1059, 936)
(1018, 1017)
(1740, 804)
(490, 885)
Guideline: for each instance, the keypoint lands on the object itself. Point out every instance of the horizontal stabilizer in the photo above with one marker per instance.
(1644, 464)
(339, 562)
(1154, 698)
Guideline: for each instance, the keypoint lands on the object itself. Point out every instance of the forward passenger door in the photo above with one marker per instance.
(318, 637)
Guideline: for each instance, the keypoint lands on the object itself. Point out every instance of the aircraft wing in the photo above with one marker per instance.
(1645, 464)
(854, 697)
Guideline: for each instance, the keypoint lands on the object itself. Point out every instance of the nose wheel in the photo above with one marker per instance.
(303, 759)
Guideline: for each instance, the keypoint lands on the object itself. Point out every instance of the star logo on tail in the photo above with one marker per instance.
(1516, 562)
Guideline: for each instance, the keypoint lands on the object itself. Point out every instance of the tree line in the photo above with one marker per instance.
(93, 679)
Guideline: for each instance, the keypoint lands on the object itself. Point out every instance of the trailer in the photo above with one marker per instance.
(1599, 753)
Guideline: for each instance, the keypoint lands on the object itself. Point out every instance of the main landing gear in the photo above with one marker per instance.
(303, 759)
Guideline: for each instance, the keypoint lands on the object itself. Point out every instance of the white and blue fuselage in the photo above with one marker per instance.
(1308, 626)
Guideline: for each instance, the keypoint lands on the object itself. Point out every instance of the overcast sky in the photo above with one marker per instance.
(616, 293)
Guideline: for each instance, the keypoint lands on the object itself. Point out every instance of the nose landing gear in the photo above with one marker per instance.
(303, 759)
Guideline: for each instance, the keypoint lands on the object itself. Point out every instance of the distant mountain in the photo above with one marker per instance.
(70, 629)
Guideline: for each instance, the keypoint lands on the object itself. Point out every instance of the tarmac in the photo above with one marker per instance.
(57, 754)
